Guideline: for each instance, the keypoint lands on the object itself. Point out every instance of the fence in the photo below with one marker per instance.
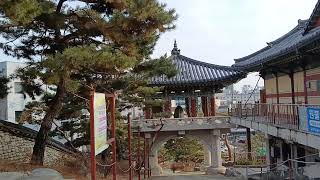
(283, 115)
(284, 170)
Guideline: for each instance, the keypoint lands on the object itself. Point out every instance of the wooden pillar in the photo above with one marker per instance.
(144, 156)
(263, 98)
(187, 102)
(212, 106)
(291, 75)
(147, 113)
(305, 86)
(193, 106)
(249, 143)
(167, 107)
(277, 88)
(204, 104)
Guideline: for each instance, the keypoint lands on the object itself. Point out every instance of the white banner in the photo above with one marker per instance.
(100, 123)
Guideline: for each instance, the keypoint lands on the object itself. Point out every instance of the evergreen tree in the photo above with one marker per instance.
(183, 150)
(3, 87)
(78, 45)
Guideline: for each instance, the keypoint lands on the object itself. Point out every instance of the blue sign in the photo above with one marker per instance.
(313, 115)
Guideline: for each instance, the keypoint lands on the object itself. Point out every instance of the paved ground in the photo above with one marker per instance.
(193, 177)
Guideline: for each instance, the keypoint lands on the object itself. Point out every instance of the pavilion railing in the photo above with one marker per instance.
(191, 122)
(283, 115)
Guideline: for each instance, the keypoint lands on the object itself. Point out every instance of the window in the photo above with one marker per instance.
(18, 87)
(17, 115)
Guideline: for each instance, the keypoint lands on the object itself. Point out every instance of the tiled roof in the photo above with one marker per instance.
(290, 42)
(314, 18)
(192, 72)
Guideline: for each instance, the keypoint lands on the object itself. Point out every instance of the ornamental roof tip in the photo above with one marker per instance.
(175, 50)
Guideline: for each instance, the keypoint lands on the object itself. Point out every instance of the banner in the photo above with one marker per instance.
(313, 119)
(100, 123)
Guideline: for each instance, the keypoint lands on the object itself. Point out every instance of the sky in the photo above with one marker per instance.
(218, 31)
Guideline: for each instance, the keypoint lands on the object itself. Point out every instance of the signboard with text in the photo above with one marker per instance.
(100, 123)
(313, 115)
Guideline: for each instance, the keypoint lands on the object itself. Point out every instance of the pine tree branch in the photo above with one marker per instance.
(64, 135)
(59, 6)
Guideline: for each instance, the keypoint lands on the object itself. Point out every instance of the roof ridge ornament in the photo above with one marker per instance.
(175, 50)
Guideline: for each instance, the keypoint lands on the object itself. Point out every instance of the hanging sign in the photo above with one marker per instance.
(100, 123)
(313, 115)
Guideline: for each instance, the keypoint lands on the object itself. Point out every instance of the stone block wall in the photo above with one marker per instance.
(19, 149)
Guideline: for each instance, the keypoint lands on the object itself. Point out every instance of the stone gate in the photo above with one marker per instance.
(206, 130)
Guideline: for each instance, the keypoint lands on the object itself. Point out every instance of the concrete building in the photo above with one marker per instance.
(289, 112)
(229, 96)
(12, 106)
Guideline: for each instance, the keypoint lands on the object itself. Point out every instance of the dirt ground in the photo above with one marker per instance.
(68, 172)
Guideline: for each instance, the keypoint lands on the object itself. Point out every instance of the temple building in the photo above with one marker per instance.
(290, 108)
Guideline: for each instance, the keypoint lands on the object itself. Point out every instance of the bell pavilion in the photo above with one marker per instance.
(196, 83)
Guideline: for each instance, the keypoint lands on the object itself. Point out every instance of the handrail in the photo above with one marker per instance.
(276, 114)
(279, 104)
(186, 118)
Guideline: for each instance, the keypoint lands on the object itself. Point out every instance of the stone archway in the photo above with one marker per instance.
(207, 138)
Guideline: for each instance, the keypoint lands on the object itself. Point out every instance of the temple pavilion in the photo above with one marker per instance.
(195, 85)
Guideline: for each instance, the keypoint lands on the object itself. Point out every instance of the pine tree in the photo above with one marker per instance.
(78, 44)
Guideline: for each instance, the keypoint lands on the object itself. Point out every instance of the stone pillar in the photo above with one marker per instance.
(216, 161)
(156, 169)
(212, 106)
(147, 137)
(294, 155)
(207, 157)
(204, 104)
(193, 106)
(281, 151)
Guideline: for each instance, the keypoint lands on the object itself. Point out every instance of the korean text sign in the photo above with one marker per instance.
(100, 123)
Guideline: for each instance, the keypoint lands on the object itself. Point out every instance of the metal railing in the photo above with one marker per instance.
(283, 115)
(287, 169)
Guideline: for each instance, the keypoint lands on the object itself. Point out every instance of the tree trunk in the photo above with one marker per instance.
(42, 136)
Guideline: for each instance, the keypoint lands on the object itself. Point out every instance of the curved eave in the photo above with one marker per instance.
(202, 83)
(288, 45)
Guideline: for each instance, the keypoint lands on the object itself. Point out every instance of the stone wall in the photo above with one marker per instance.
(16, 143)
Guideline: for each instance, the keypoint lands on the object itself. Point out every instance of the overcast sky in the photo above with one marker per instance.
(218, 31)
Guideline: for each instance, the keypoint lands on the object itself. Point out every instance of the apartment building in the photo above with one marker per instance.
(13, 104)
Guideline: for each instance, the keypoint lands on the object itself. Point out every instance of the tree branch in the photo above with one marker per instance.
(59, 6)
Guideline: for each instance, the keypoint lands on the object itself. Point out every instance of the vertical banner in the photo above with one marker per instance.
(100, 123)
